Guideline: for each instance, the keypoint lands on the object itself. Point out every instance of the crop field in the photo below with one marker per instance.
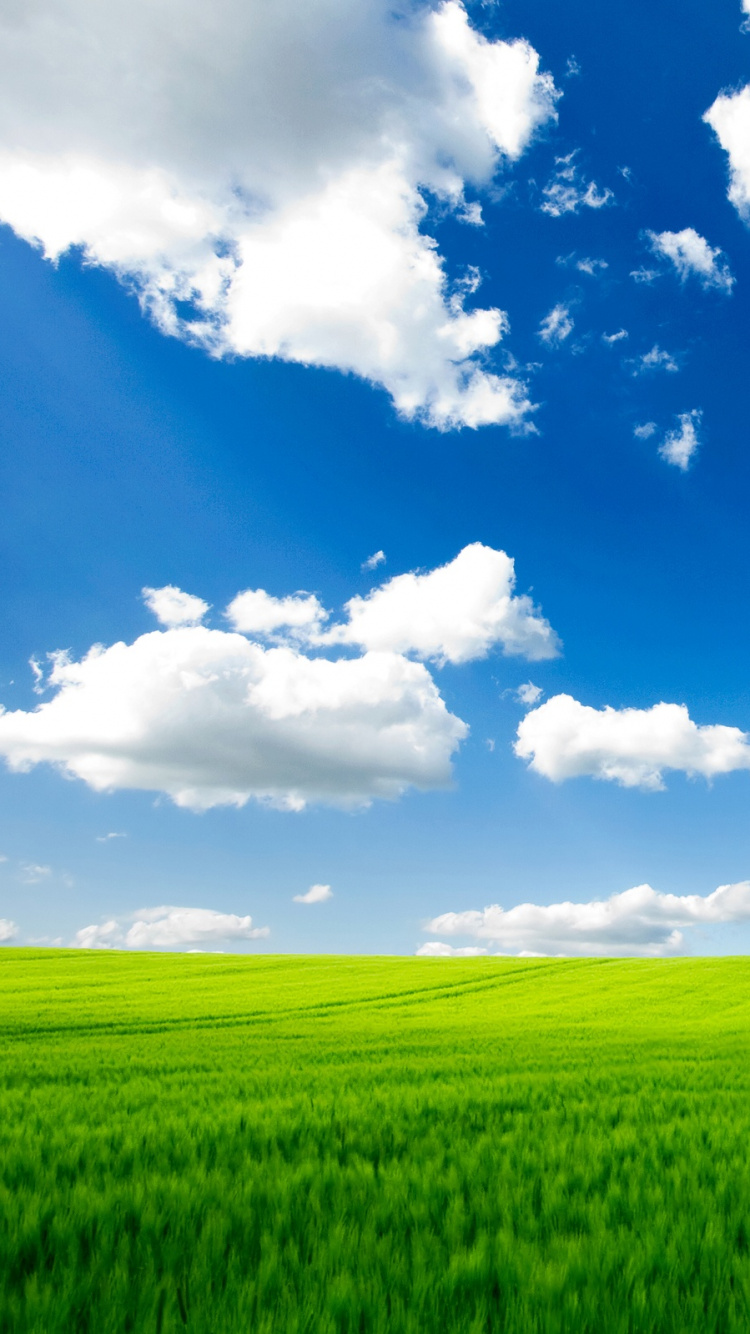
(357, 1145)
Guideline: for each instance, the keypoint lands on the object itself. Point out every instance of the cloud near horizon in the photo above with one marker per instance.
(633, 747)
(258, 175)
(639, 921)
(212, 717)
(168, 927)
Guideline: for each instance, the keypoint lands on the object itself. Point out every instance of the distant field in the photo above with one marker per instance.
(217, 1143)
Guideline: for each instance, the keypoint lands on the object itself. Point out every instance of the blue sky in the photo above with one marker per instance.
(150, 443)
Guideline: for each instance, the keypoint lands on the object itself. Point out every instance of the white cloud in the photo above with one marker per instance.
(645, 430)
(643, 275)
(691, 254)
(639, 921)
(452, 614)
(729, 118)
(556, 326)
(615, 337)
(372, 562)
(529, 694)
(592, 266)
(568, 192)
(172, 607)
(435, 949)
(566, 739)
(211, 718)
(315, 894)
(655, 360)
(679, 445)
(106, 838)
(8, 930)
(256, 612)
(168, 928)
(266, 165)
(32, 874)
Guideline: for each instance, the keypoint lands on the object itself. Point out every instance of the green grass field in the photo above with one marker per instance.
(219, 1143)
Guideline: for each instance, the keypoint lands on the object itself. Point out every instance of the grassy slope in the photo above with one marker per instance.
(314, 1144)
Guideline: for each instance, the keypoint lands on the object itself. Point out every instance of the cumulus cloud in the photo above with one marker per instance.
(680, 444)
(729, 118)
(452, 614)
(644, 430)
(556, 326)
(691, 255)
(373, 561)
(529, 694)
(315, 894)
(655, 360)
(256, 612)
(33, 874)
(639, 921)
(8, 930)
(566, 739)
(172, 607)
(212, 717)
(168, 928)
(569, 192)
(436, 949)
(609, 339)
(258, 173)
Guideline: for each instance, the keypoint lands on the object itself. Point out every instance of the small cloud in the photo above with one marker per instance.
(609, 339)
(168, 927)
(679, 445)
(31, 874)
(172, 607)
(529, 694)
(592, 266)
(489, 743)
(655, 360)
(38, 671)
(644, 431)
(435, 949)
(568, 192)
(643, 275)
(373, 561)
(572, 68)
(315, 894)
(105, 838)
(556, 326)
(626, 172)
(472, 214)
(8, 930)
(691, 255)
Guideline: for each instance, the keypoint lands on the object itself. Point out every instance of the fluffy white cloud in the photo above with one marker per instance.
(172, 607)
(729, 118)
(568, 192)
(691, 254)
(373, 561)
(8, 930)
(315, 894)
(644, 430)
(435, 949)
(452, 614)
(556, 326)
(168, 928)
(529, 694)
(566, 739)
(638, 921)
(266, 165)
(679, 445)
(655, 360)
(256, 612)
(211, 718)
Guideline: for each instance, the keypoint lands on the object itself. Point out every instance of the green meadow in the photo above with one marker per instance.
(361, 1146)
